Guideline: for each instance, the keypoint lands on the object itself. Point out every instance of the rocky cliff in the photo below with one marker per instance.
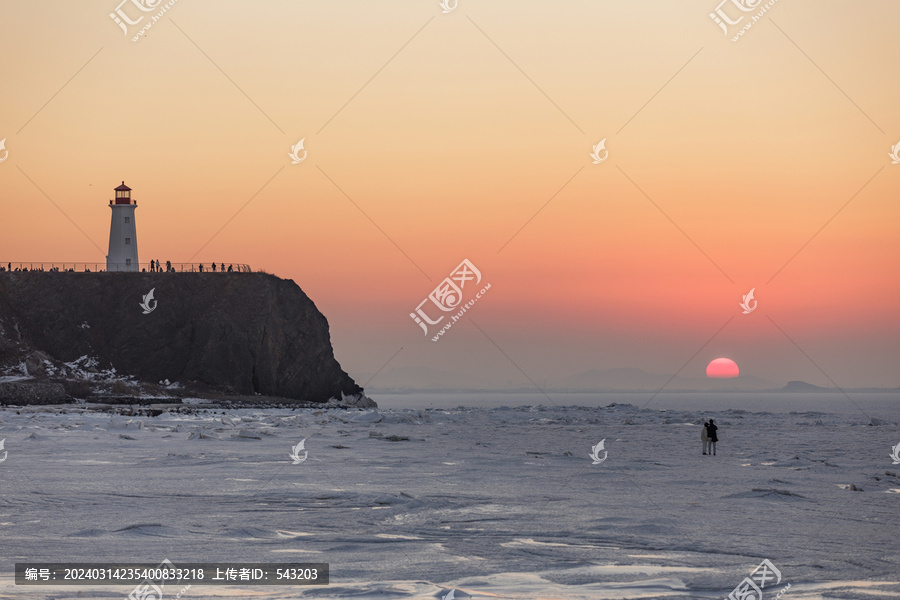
(240, 333)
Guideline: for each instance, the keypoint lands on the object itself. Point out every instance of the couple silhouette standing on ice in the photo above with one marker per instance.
(709, 437)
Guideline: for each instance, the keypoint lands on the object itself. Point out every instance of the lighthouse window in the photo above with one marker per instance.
(127, 220)
(127, 241)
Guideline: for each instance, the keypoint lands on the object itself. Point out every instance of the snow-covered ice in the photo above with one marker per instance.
(493, 502)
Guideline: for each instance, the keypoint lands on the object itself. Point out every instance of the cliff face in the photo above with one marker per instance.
(239, 332)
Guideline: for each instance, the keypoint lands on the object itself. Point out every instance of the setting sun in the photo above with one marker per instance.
(722, 368)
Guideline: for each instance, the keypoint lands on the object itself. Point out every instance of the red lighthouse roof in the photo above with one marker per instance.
(123, 195)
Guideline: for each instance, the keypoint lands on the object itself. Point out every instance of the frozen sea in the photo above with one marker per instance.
(493, 495)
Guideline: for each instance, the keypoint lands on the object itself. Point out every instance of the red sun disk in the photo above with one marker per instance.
(722, 368)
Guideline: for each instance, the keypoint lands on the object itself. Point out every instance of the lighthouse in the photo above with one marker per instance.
(123, 252)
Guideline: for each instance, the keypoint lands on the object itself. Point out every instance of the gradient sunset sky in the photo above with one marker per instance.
(435, 137)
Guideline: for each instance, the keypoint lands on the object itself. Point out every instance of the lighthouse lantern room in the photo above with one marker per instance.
(123, 252)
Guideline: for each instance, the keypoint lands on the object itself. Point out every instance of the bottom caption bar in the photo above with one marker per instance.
(155, 576)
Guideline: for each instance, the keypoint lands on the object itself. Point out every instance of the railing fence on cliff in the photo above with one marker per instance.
(81, 267)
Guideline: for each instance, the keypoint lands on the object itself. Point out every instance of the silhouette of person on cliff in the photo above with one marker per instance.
(229, 268)
(168, 266)
(201, 267)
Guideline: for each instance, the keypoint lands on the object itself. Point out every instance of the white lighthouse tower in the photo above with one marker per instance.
(123, 252)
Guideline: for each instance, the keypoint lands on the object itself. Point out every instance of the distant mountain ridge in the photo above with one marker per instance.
(634, 379)
(620, 379)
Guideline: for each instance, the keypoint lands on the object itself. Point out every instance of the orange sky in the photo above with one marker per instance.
(449, 132)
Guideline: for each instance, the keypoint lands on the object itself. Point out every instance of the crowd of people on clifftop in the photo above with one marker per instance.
(9, 268)
(155, 267)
